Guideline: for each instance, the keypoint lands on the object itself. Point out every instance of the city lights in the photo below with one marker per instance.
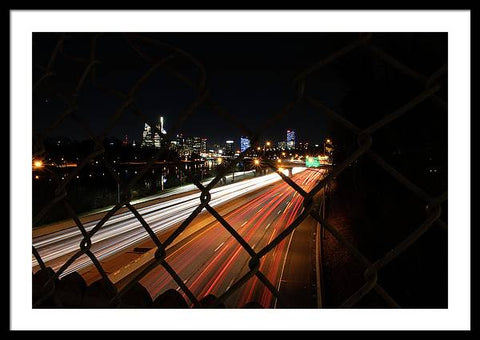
(38, 164)
(229, 208)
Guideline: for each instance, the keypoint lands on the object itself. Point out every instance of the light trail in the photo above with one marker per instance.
(123, 230)
(213, 263)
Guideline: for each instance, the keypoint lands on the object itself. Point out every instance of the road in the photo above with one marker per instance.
(122, 231)
(211, 261)
(170, 193)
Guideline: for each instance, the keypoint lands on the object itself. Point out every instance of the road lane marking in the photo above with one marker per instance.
(288, 205)
(283, 267)
(268, 225)
(221, 244)
(244, 223)
(230, 284)
(279, 212)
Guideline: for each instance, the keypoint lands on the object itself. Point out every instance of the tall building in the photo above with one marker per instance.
(290, 139)
(229, 147)
(147, 140)
(157, 138)
(203, 148)
(191, 145)
(244, 143)
(151, 138)
(197, 145)
(177, 143)
(187, 148)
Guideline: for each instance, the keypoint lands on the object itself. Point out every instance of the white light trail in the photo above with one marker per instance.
(124, 230)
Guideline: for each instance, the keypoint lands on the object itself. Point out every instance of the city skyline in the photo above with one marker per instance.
(200, 143)
(138, 136)
(247, 88)
(332, 131)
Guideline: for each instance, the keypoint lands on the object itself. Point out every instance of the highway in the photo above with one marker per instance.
(211, 260)
(122, 231)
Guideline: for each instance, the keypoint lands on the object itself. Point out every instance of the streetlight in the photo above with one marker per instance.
(257, 163)
(325, 146)
(38, 164)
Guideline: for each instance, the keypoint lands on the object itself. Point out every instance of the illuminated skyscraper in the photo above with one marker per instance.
(151, 138)
(197, 145)
(187, 148)
(177, 143)
(147, 140)
(157, 138)
(244, 143)
(203, 149)
(229, 147)
(290, 139)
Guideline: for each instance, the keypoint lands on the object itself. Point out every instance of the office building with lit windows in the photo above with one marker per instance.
(151, 138)
(229, 147)
(290, 139)
(244, 143)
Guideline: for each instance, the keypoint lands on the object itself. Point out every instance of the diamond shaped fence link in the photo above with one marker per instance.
(312, 200)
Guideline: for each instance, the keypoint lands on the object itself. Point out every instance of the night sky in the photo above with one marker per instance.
(249, 75)
(401, 76)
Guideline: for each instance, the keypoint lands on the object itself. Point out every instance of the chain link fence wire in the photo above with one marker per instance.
(52, 290)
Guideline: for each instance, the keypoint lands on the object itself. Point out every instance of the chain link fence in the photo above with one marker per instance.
(49, 289)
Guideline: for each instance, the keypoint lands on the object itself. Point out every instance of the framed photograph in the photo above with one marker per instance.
(240, 170)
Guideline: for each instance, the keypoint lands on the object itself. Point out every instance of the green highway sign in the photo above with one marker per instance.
(312, 162)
